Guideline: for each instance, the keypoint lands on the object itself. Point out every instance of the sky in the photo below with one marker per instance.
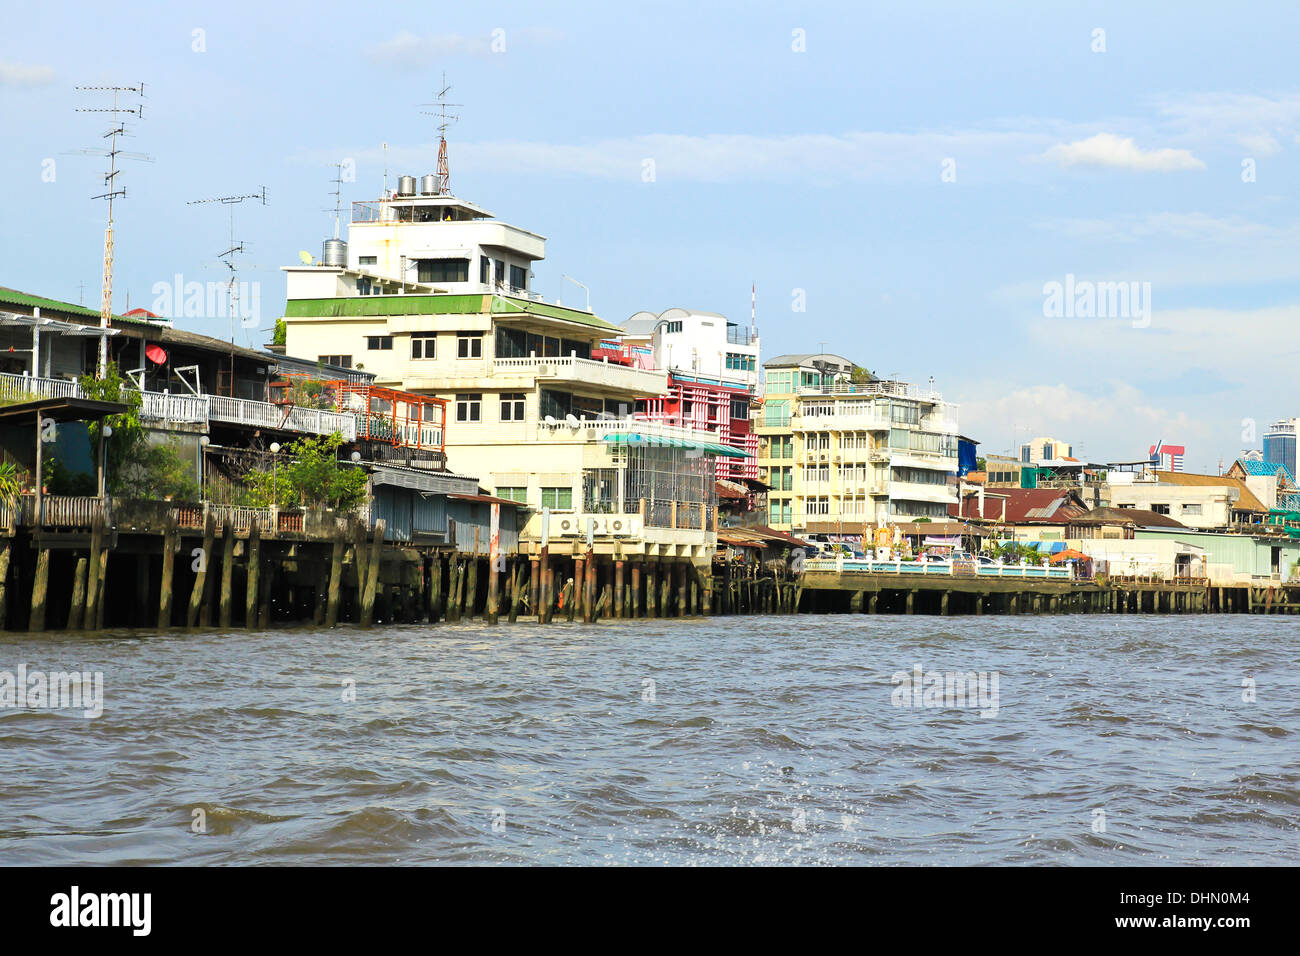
(914, 186)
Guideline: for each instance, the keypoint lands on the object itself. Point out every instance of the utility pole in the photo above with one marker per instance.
(118, 109)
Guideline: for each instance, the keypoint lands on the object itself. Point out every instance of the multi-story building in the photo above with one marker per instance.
(712, 367)
(432, 294)
(1167, 457)
(1280, 443)
(841, 455)
(1040, 450)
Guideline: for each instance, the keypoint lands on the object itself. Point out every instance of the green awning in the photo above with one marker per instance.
(712, 448)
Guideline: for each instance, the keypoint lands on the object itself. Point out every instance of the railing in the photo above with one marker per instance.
(19, 388)
(1042, 572)
(162, 406)
(57, 511)
(195, 409)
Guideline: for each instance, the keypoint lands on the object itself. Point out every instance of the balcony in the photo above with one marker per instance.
(168, 409)
(580, 371)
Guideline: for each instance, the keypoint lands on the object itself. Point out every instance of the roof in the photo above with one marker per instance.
(806, 358)
(760, 535)
(1265, 469)
(1247, 500)
(437, 304)
(60, 410)
(1024, 506)
(14, 297)
(489, 499)
(725, 490)
(1138, 517)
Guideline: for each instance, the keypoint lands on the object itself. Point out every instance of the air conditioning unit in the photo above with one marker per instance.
(567, 525)
(619, 526)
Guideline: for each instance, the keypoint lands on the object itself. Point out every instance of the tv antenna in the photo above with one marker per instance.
(119, 109)
(445, 119)
(228, 260)
(337, 193)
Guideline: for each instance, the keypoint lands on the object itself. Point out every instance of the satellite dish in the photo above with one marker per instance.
(571, 420)
(304, 257)
(550, 420)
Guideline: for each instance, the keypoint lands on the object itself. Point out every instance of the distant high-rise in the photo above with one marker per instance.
(1167, 457)
(1280, 443)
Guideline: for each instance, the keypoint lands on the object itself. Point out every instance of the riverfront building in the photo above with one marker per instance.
(844, 450)
(433, 294)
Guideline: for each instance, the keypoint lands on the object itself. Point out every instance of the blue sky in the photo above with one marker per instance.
(820, 170)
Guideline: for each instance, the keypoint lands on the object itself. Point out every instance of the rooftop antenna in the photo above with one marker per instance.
(132, 94)
(444, 120)
(338, 195)
(753, 306)
(228, 259)
(385, 193)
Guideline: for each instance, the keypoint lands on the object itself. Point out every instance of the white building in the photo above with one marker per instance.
(697, 343)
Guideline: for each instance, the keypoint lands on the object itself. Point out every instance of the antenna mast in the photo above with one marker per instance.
(444, 120)
(110, 183)
(228, 258)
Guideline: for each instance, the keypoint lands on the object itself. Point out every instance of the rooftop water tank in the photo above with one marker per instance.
(334, 253)
(429, 185)
(406, 186)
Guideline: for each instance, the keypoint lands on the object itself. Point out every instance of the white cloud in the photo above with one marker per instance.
(1117, 152)
(1194, 226)
(23, 74)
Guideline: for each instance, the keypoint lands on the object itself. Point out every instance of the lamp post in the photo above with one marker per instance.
(275, 461)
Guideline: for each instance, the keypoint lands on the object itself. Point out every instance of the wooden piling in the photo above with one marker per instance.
(619, 593)
(336, 578)
(227, 573)
(589, 590)
(77, 612)
(373, 562)
(469, 599)
(198, 589)
(4, 585)
(252, 581)
(93, 595)
(166, 576)
(651, 588)
(39, 589)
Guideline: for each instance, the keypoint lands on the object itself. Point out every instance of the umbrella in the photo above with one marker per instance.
(1069, 554)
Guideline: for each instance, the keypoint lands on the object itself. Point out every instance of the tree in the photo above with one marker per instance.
(310, 475)
(281, 332)
(134, 466)
(860, 375)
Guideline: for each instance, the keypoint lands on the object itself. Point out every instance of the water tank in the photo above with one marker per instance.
(406, 186)
(334, 253)
(429, 185)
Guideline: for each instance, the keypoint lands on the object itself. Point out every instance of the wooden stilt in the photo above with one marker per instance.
(39, 589)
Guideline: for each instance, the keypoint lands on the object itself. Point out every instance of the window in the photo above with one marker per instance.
(1160, 509)
(671, 327)
(512, 406)
(469, 345)
(343, 361)
(378, 343)
(514, 493)
(1124, 506)
(424, 345)
(1192, 509)
(1047, 452)
(469, 407)
(518, 277)
(485, 270)
(740, 362)
(557, 499)
(740, 408)
(367, 260)
(442, 270)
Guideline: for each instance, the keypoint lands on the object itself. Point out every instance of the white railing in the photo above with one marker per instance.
(867, 566)
(17, 388)
(161, 406)
(199, 409)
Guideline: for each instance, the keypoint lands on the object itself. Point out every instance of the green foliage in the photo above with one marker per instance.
(1012, 552)
(61, 480)
(309, 475)
(136, 467)
(859, 375)
(281, 332)
(11, 482)
(981, 464)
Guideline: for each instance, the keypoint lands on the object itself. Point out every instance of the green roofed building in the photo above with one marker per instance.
(433, 294)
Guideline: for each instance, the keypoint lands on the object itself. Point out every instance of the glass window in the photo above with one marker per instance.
(424, 345)
(514, 493)
(557, 499)
(485, 270)
(379, 342)
(469, 345)
(442, 270)
(343, 361)
(367, 260)
(518, 277)
(469, 407)
(512, 406)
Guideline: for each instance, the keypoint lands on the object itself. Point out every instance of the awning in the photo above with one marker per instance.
(708, 447)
